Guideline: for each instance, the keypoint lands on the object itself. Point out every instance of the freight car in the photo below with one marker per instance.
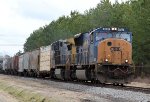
(103, 54)
(1, 64)
(45, 61)
(7, 64)
(35, 63)
(15, 65)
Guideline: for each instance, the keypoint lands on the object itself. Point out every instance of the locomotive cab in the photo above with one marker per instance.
(113, 51)
(116, 49)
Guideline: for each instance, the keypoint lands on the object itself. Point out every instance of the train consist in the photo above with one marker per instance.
(103, 54)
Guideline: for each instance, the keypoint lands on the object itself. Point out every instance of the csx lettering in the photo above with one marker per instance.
(115, 48)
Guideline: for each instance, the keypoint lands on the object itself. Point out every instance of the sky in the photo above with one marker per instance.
(19, 18)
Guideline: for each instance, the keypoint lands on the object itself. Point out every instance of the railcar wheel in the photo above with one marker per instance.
(60, 74)
(25, 74)
(101, 78)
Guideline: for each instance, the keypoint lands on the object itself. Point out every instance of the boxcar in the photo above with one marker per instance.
(44, 69)
(1, 64)
(20, 69)
(15, 64)
(26, 63)
(34, 62)
(7, 64)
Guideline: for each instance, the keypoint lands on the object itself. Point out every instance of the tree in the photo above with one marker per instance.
(133, 14)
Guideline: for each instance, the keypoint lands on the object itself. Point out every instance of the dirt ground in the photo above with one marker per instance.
(140, 82)
(49, 93)
(14, 89)
(5, 97)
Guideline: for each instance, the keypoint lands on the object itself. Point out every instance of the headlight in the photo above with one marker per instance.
(126, 61)
(113, 28)
(106, 60)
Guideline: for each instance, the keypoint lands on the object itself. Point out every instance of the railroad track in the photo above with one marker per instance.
(137, 89)
(118, 87)
(97, 84)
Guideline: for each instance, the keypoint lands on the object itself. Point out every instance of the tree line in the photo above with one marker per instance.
(133, 14)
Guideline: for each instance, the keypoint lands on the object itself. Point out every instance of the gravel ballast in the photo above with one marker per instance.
(84, 93)
(108, 93)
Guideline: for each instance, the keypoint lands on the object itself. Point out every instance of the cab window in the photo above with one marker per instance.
(92, 37)
(102, 36)
(124, 36)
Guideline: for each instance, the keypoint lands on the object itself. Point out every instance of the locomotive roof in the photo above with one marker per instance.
(110, 29)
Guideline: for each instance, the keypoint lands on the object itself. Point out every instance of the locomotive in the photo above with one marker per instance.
(103, 54)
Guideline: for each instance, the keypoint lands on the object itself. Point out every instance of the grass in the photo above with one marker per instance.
(23, 95)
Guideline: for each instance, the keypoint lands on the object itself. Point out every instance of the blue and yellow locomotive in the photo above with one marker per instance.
(113, 54)
(103, 54)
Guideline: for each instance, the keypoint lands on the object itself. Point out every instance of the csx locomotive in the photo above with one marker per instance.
(103, 54)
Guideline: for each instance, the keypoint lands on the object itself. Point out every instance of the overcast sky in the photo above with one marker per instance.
(19, 18)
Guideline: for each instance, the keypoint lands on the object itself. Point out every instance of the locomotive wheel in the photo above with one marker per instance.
(52, 73)
(34, 75)
(67, 75)
(101, 78)
(25, 74)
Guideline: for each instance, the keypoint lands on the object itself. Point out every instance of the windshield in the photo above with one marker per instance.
(102, 36)
(123, 35)
(120, 35)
